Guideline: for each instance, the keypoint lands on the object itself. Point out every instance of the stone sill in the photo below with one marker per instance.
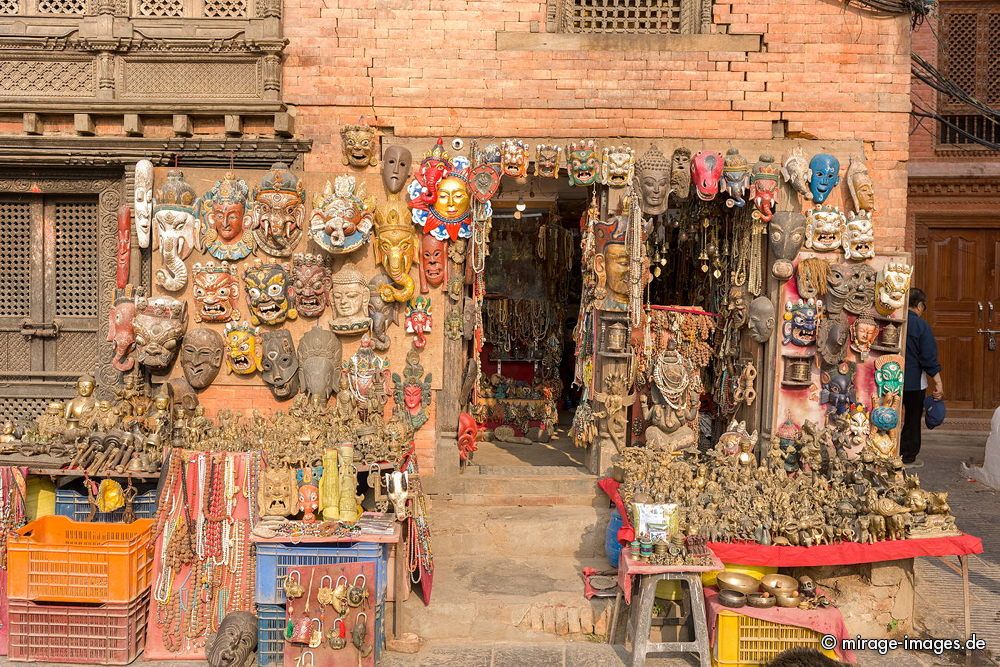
(530, 41)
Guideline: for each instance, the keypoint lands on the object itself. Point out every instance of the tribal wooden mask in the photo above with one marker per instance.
(120, 327)
(838, 286)
(270, 296)
(706, 174)
(320, 354)
(342, 216)
(225, 221)
(785, 234)
(652, 181)
(860, 289)
(176, 223)
(825, 228)
(796, 173)
(359, 144)
(810, 277)
(547, 160)
(801, 320)
(825, 170)
(311, 280)
(396, 163)
(413, 391)
(216, 292)
(143, 202)
(617, 166)
(859, 183)
(735, 178)
(123, 251)
(583, 163)
(159, 324)
(761, 319)
(278, 365)
(680, 172)
(243, 353)
(514, 158)
(892, 287)
(764, 187)
(859, 236)
(433, 262)
(278, 211)
(832, 338)
(201, 356)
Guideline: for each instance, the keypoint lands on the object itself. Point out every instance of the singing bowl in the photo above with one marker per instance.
(761, 600)
(776, 584)
(731, 598)
(739, 582)
(788, 599)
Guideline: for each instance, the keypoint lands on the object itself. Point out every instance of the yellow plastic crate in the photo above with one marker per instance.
(742, 641)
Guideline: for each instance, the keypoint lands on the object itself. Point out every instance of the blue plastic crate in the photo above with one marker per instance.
(271, 633)
(74, 505)
(274, 561)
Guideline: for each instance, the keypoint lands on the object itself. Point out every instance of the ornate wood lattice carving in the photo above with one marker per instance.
(159, 8)
(9, 7)
(225, 9)
(153, 79)
(969, 55)
(628, 16)
(75, 7)
(47, 78)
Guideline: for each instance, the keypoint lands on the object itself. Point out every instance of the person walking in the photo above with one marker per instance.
(921, 364)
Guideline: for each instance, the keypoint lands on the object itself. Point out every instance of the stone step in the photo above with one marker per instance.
(507, 599)
(520, 486)
(562, 530)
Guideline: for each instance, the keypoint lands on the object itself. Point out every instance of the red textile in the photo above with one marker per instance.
(609, 486)
(628, 568)
(826, 621)
(845, 553)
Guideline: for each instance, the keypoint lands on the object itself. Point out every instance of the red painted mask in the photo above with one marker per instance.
(433, 258)
(706, 171)
(121, 332)
(308, 502)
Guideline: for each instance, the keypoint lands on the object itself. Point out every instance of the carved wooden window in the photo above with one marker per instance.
(628, 16)
(50, 294)
(969, 55)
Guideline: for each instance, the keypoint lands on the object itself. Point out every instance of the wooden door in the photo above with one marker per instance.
(991, 384)
(957, 270)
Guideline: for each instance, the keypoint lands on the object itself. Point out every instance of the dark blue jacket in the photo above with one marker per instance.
(921, 352)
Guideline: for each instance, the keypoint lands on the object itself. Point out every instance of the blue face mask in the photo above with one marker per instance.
(825, 176)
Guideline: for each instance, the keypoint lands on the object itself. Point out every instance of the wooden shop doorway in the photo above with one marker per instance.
(533, 285)
(957, 266)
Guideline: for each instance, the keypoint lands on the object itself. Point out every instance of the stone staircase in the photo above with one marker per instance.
(509, 544)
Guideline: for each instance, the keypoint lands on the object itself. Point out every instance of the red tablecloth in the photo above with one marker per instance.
(845, 553)
(826, 621)
(628, 568)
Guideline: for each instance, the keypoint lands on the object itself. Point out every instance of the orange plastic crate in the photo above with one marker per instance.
(55, 559)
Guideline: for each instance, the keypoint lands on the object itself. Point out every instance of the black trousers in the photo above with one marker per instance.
(913, 412)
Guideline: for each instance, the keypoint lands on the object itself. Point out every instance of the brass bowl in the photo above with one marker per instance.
(776, 584)
(761, 600)
(731, 598)
(791, 599)
(737, 581)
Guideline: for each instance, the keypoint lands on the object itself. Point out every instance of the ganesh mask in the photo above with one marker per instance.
(706, 174)
(121, 331)
(796, 173)
(279, 365)
(395, 250)
(892, 287)
(176, 230)
(617, 166)
(785, 234)
(764, 188)
(269, 294)
(342, 216)
(278, 211)
(216, 291)
(801, 320)
(159, 325)
(396, 163)
(825, 170)
(825, 228)
(359, 144)
(735, 177)
(320, 357)
(859, 236)
(311, 279)
(652, 181)
(225, 221)
(243, 352)
(201, 356)
(583, 163)
(547, 159)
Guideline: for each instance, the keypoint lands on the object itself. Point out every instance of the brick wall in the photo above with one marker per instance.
(422, 68)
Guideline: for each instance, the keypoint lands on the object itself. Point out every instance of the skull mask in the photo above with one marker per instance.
(359, 146)
(859, 236)
(159, 324)
(514, 158)
(216, 291)
(547, 160)
(201, 356)
(825, 228)
(243, 354)
(311, 279)
(617, 166)
(269, 295)
(278, 211)
(825, 170)
(892, 287)
(279, 365)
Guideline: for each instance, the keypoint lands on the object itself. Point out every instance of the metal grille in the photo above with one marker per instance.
(160, 8)
(961, 51)
(21, 410)
(15, 353)
(993, 58)
(974, 124)
(76, 287)
(76, 351)
(228, 9)
(15, 258)
(620, 16)
(62, 6)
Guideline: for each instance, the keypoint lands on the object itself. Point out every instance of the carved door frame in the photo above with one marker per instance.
(109, 187)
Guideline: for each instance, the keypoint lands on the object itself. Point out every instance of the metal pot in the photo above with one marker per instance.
(730, 598)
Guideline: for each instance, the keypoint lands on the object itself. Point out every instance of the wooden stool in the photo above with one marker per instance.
(642, 615)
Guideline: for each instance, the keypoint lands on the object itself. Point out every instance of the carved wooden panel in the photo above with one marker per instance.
(77, 7)
(21, 410)
(74, 78)
(228, 9)
(159, 8)
(10, 7)
(628, 16)
(213, 80)
(76, 271)
(15, 257)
